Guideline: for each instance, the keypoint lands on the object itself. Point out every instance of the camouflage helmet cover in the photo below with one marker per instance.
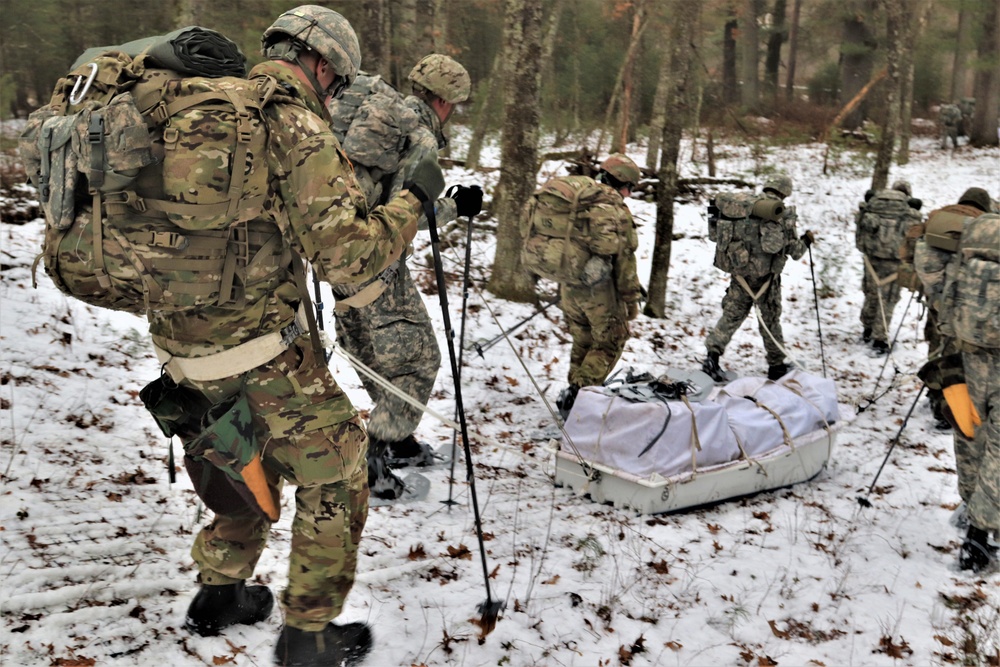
(443, 76)
(780, 184)
(622, 168)
(902, 186)
(324, 31)
(976, 197)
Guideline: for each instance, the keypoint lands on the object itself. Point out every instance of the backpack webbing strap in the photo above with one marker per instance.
(95, 136)
(569, 232)
(299, 274)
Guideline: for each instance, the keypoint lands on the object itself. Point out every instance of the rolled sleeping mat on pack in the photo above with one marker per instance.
(193, 50)
(768, 209)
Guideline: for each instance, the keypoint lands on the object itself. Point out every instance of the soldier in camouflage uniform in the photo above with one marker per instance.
(942, 351)
(968, 107)
(885, 208)
(598, 314)
(967, 370)
(385, 323)
(949, 117)
(310, 432)
(762, 276)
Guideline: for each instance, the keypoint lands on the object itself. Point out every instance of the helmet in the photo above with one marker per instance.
(324, 31)
(622, 168)
(902, 186)
(976, 197)
(780, 184)
(443, 76)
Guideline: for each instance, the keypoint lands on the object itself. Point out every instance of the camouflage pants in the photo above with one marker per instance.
(394, 336)
(978, 459)
(598, 322)
(949, 132)
(737, 304)
(880, 297)
(313, 439)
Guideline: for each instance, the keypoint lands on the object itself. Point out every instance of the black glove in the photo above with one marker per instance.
(808, 238)
(425, 179)
(468, 200)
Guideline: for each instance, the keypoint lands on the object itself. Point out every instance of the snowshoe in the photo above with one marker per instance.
(977, 554)
(217, 607)
(414, 487)
(712, 369)
(336, 645)
(410, 452)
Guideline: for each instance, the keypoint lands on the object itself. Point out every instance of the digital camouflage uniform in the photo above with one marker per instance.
(760, 271)
(977, 459)
(881, 222)
(950, 117)
(393, 334)
(310, 433)
(598, 315)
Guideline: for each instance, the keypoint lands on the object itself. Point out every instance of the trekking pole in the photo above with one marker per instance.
(863, 501)
(819, 327)
(878, 380)
(482, 347)
(490, 609)
(461, 354)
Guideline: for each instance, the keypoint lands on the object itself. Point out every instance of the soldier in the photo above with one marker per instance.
(596, 270)
(957, 261)
(968, 107)
(950, 117)
(314, 438)
(756, 279)
(384, 322)
(973, 203)
(882, 221)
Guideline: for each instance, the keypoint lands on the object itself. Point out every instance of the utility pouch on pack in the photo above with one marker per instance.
(749, 234)
(176, 409)
(944, 229)
(224, 462)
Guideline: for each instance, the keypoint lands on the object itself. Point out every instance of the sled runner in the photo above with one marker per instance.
(657, 456)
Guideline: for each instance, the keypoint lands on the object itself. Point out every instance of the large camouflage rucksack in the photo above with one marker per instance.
(567, 222)
(373, 123)
(149, 181)
(970, 299)
(748, 234)
(882, 223)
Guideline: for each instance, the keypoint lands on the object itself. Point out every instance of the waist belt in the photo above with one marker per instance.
(370, 292)
(236, 360)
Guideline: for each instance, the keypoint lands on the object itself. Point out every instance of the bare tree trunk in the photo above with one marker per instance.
(482, 116)
(378, 40)
(188, 12)
(776, 37)
(894, 20)
(963, 39)
(793, 51)
(439, 26)
(686, 14)
(914, 23)
(749, 50)
(987, 80)
(730, 86)
(857, 56)
(519, 145)
(549, 47)
(404, 18)
(659, 114)
(625, 109)
(617, 88)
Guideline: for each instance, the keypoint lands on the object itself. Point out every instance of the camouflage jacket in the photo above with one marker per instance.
(950, 114)
(314, 200)
(625, 272)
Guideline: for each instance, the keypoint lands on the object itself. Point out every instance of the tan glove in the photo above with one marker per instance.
(962, 409)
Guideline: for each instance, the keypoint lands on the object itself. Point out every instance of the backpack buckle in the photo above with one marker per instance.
(171, 135)
(95, 129)
(244, 127)
(172, 240)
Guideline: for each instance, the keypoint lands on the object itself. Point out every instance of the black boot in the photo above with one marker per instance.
(880, 346)
(712, 368)
(382, 483)
(218, 607)
(776, 371)
(410, 452)
(866, 335)
(567, 397)
(976, 554)
(334, 646)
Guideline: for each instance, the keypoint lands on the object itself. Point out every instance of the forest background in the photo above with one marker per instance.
(593, 76)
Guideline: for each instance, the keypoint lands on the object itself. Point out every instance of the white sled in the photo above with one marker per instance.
(750, 436)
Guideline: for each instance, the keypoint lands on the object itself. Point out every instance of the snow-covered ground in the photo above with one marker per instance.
(94, 563)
